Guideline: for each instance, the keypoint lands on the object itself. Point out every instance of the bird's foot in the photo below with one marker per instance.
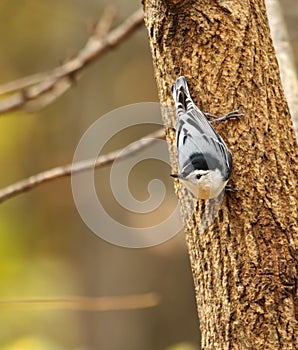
(230, 115)
(231, 188)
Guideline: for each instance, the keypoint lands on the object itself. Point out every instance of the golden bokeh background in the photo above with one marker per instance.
(46, 251)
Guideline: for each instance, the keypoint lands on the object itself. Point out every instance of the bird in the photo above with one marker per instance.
(204, 160)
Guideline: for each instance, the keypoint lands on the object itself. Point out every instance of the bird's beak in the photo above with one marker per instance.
(176, 176)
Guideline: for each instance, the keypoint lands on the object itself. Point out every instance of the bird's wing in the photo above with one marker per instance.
(198, 143)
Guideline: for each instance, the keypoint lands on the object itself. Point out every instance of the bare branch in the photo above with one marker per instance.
(22, 83)
(105, 23)
(127, 302)
(66, 170)
(49, 86)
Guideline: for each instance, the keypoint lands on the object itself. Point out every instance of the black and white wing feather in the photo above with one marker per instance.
(200, 147)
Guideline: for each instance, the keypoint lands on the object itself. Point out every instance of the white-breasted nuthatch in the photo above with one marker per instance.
(204, 160)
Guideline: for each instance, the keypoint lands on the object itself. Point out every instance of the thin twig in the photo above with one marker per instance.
(22, 83)
(104, 25)
(66, 170)
(57, 81)
(128, 302)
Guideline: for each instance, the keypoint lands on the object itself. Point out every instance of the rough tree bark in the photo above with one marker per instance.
(245, 265)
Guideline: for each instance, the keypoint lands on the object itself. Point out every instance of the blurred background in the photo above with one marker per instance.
(46, 251)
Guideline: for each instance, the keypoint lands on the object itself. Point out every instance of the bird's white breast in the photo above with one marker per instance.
(208, 186)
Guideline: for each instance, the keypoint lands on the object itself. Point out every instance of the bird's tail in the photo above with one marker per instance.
(181, 95)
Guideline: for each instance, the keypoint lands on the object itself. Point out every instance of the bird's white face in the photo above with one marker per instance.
(205, 184)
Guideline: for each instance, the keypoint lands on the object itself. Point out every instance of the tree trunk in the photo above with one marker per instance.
(245, 265)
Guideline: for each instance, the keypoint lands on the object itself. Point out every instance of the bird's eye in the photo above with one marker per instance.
(198, 176)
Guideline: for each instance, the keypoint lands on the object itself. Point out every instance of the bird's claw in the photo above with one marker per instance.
(231, 188)
(230, 115)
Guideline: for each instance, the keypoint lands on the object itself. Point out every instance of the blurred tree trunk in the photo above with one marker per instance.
(245, 265)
